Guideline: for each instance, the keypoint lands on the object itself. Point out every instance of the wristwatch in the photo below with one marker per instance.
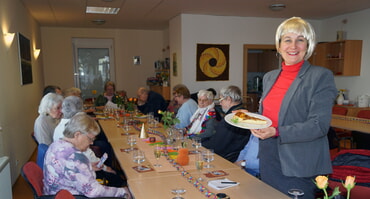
(243, 164)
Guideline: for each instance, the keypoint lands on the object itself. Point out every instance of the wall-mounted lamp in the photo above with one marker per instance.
(8, 38)
(36, 53)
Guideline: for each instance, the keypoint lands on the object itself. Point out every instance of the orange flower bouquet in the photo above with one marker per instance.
(322, 183)
(130, 104)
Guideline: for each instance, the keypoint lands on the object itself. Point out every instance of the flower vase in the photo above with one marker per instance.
(340, 98)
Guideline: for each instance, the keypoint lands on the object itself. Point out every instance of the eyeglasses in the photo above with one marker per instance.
(203, 100)
(90, 138)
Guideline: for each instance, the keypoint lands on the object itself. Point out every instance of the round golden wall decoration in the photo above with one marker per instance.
(212, 62)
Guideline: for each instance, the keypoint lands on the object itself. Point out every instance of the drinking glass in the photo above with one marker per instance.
(296, 193)
(131, 140)
(178, 192)
(155, 122)
(208, 156)
(106, 112)
(138, 157)
(197, 143)
(157, 154)
(126, 128)
(117, 117)
(199, 165)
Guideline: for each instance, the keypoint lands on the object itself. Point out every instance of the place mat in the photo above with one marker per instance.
(102, 117)
(130, 133)
(142, 169)
(127, 150)
(222, 184)
(217, 173)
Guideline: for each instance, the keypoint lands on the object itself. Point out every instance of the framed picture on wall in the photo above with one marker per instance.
(212, 62)
(24, 48)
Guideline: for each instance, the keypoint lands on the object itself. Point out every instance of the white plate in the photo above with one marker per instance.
(228, 118)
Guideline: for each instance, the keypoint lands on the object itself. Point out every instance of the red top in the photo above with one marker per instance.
(272, 102)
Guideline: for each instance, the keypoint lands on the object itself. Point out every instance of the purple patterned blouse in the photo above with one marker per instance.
(65, 167)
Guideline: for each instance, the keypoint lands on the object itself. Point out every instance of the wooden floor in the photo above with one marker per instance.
(21, 189)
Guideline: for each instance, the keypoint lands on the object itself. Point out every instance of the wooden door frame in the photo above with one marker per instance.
(247, 47)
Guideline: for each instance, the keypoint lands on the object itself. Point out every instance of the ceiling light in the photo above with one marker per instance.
(102, 10)
(277, 6)
(98, 21)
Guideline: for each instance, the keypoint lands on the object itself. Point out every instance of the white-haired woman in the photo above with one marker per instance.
(66, 167)
(202, 122)
(50, 114)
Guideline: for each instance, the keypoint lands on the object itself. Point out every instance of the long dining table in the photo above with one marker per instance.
(350, 123)
(158, 182)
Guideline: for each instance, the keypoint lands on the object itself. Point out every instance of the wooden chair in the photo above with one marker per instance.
(342, 134)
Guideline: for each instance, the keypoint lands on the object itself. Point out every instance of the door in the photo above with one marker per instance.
(93, 65)
(251, 100)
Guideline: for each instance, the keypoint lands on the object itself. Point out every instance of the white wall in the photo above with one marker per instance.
(18, 104)
(58, 54)
(357, 28)
(235, 31)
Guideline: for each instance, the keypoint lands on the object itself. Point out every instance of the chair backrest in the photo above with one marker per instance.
(338, 110)
(364, 114)
(33, 175)
(41, 150)
(64, 194)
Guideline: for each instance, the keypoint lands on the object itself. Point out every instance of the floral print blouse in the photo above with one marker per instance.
(65, 167)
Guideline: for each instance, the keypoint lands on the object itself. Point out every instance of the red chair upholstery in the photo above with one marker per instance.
(338, 110)
(364, 114)
(34, 176)
(64, 194)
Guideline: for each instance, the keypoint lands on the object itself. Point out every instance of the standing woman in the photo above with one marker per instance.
(50, 110)
(298, 98)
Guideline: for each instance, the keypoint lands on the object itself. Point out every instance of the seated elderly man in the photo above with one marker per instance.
(187, 105)
(202, 122)
(228, 140)
(66, 167)
(150, 101)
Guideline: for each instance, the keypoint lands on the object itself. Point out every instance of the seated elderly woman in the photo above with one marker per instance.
(109, 95)
(187, 105)
(202, 121)
(50, 114)
(228, 140)
(70, 107)
(66, 167)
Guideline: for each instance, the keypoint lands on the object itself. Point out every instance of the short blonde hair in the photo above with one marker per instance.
(298, 26)
(72, 91)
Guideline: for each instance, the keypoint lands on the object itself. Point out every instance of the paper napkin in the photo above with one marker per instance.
(218, 185)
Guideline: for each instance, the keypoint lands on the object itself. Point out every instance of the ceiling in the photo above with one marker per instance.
(155, 14)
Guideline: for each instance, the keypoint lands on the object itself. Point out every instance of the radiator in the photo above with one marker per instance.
(5, 181)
